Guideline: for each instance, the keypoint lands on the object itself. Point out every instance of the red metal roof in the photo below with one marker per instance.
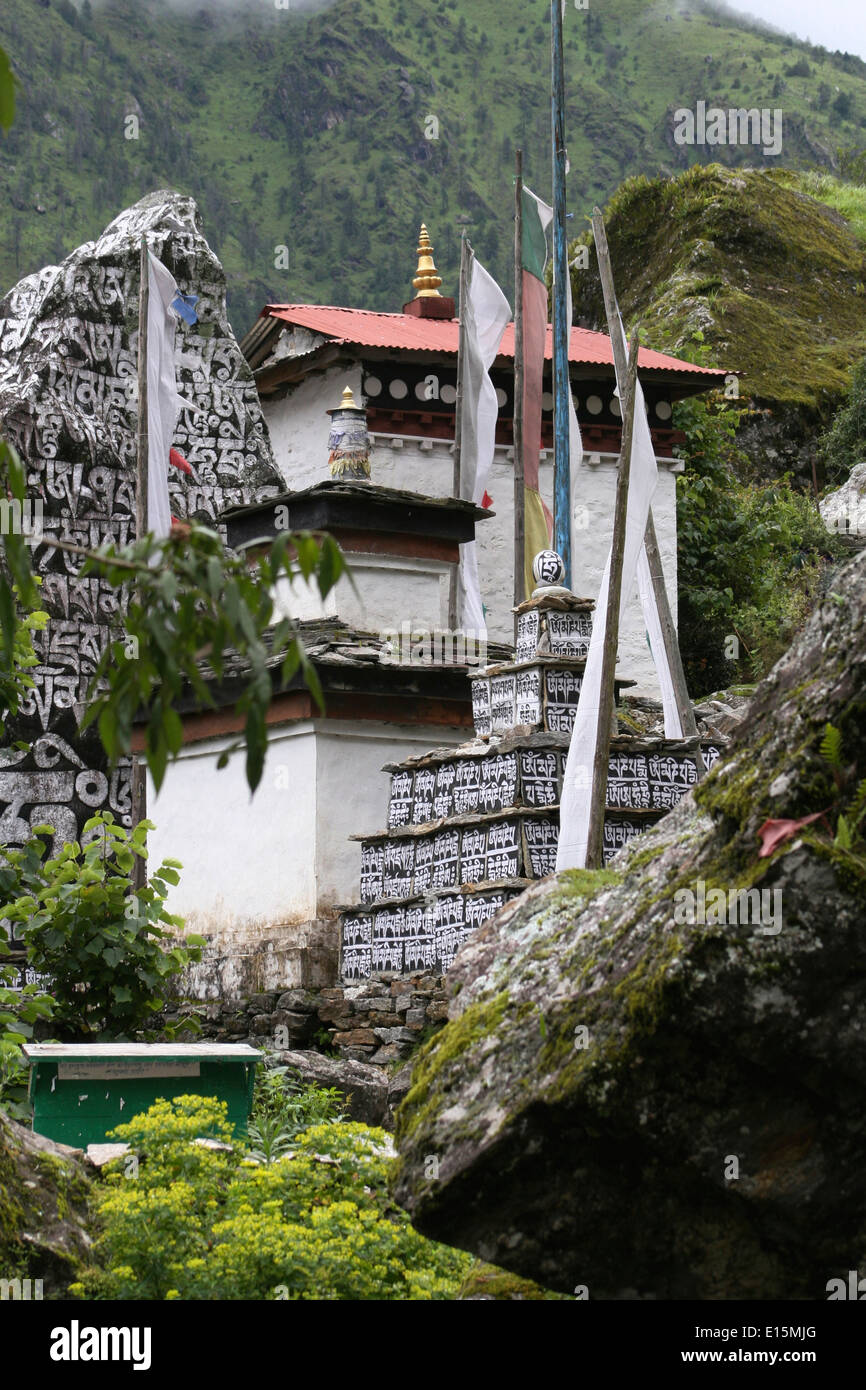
(363, 328)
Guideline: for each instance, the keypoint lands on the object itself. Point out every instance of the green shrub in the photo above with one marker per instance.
(203, 1223)
(749, 556)
(19, 1010)
(844, 443)
(281, 1096)
(100, 944)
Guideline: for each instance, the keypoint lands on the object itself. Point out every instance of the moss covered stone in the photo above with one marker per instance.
(773, 277)
(44, 1213)
(609, 1060)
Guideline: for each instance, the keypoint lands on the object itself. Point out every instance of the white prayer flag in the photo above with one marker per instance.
(577, 778)
(163, 401)
(483, 320)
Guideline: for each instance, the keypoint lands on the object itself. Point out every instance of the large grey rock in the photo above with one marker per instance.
(68, 361)
(43, 1210)
(844, 510)
(365, 1087)
(705, 1136)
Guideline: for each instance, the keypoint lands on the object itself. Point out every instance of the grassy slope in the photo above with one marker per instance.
(294, 130)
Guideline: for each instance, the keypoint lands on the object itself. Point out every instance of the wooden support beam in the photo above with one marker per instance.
(669, 633)
(138, 778)
(598, 785)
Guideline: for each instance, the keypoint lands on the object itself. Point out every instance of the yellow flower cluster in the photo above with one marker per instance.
(198, 1223)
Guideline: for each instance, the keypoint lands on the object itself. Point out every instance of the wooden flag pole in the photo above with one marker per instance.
(139, 772)
(519, 476)
(561, 329)
(457, 478)
(669, 633)
(598, 789)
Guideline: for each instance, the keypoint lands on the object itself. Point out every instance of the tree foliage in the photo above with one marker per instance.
(190, 606)
(844, 444)
(749, 556)
(7, 92)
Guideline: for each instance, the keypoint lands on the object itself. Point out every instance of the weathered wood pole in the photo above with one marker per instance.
(457, 475)
(669, 633)
(598, 789)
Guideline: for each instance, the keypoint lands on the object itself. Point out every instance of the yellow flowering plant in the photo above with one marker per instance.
(187, 1221)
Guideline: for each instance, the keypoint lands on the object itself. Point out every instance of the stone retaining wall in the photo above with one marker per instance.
(377, 1021)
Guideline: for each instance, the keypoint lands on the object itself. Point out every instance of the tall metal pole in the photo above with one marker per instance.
(561, 328)
(519, 477)
(139, 774)
(457, 480)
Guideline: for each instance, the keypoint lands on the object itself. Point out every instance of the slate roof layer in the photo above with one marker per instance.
(403, 332)
(334, 503)
(348, 662)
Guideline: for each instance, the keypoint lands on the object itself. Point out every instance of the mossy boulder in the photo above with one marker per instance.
(773, 278)
(44, 1213)
(638, 1104)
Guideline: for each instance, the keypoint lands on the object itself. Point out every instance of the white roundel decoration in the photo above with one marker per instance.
(547, 568)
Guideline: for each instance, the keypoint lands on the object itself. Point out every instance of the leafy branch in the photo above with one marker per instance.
(188, 602)
(848, 822)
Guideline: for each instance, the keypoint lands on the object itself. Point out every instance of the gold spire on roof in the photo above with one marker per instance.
(426, 282)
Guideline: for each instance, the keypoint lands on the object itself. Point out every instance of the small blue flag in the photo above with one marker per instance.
(185, 304)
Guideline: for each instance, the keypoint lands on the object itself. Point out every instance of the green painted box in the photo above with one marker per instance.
(80, 1091)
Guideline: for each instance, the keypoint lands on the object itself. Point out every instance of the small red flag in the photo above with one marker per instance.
(177, 458)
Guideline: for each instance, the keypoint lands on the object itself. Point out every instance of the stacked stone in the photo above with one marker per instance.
(376, 1021)
(470, 828)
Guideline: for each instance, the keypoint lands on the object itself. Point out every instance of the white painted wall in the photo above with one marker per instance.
(299, 426)
(247, 861)
(255, 866)
(381, 591)
(299, 434)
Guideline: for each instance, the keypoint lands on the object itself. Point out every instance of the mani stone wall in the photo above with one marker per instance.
(68, 403)
(471, 828)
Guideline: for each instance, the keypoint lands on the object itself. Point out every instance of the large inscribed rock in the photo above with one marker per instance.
(68, 402)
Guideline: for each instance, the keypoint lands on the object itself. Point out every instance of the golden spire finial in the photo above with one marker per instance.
(347, 401)
(426, 281)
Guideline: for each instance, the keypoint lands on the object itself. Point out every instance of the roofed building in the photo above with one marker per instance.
(403, 366)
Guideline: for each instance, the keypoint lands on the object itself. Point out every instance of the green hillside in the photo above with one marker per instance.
(307, 130)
